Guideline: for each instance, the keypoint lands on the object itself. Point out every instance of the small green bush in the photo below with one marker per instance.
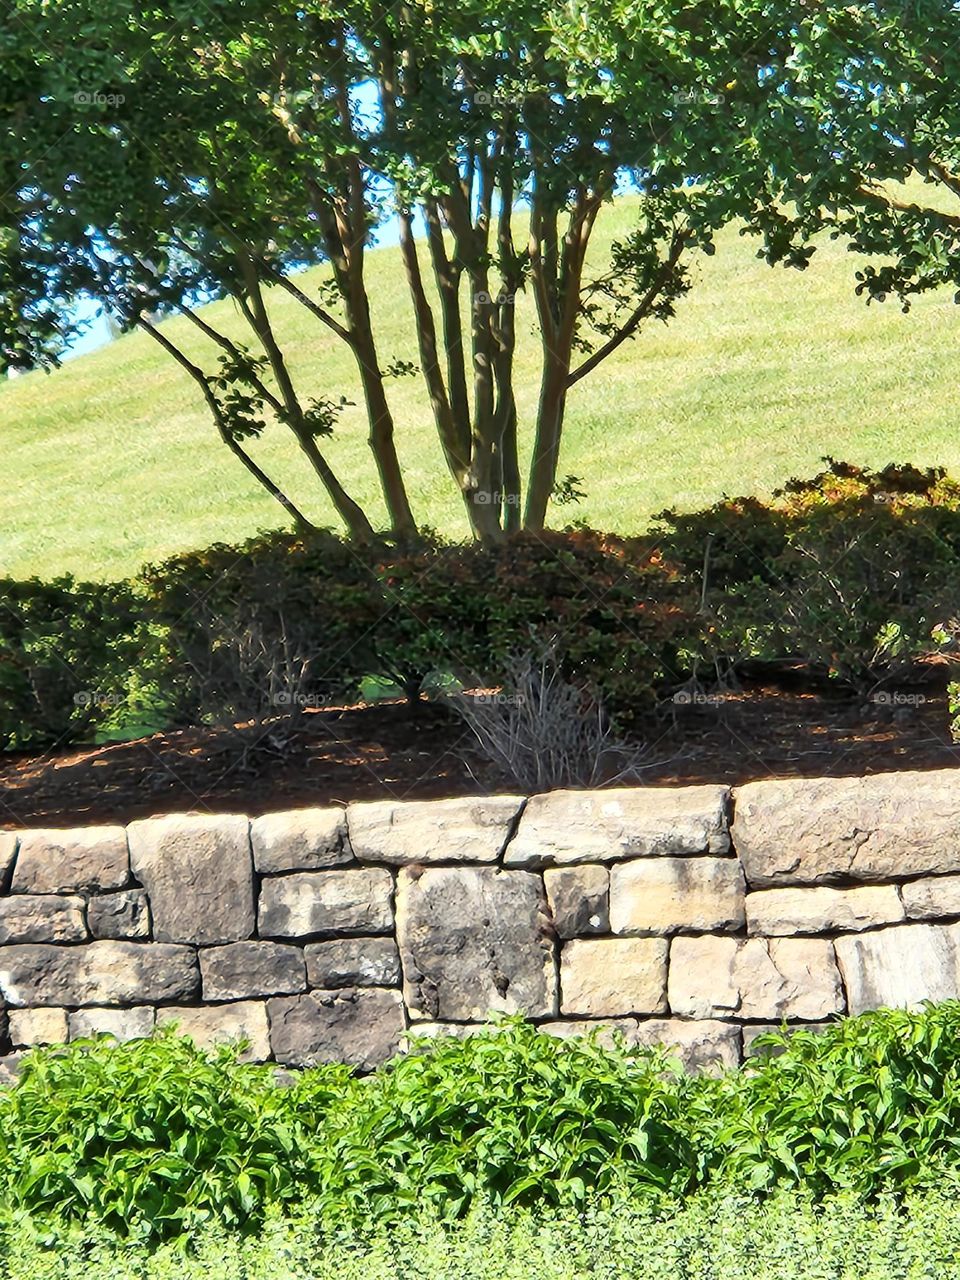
(67, 653)
(854, 573)
(154, 1136)
(510, 1117)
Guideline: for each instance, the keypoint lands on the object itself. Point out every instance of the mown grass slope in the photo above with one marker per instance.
(112, 460)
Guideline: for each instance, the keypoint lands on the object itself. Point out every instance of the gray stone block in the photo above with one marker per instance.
(474, 940)
(198, 873)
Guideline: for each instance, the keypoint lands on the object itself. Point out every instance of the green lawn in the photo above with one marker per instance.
(112, 461)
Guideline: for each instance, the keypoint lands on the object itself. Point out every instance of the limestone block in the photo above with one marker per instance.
(242, 970)
(353, 962)
(579, 899)
(123, 916)
(317, 902)
(900, 967)
(300, 840)
(80, 860)
(817, 830)
(210, 1025)
(464, 829)
(97, 973)
(786, 912)
(29, 917)
(661, 895)
(565, 827)
(608, 977)
(135, 1023)
(754, 978)
(198, 873)
(362, 1027)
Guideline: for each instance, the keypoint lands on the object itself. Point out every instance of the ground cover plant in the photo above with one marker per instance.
(154, 1139)
(709, 1237)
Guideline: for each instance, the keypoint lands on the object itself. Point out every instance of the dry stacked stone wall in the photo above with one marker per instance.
(692, 916)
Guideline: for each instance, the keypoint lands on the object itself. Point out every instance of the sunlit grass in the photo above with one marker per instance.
(112, 460)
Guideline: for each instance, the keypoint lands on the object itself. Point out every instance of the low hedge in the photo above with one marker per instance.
(156, 1138)
(855, 573)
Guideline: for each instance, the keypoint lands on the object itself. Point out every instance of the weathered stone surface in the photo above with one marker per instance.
(468, 829)
(754, 978)
(752, 1031)
(214, 1024)
(435, 1030)
(123, 1024)
(84, 859)
(931, 897)
(605, 1029)
(474, 940)
(785, 912)
(198, 872)
(28, 917)
(300, 840)
(632, 822)
(900, 967)
(318, 902)
(8, 852)
(579, 899)
(814, 830)
(353, 962)
(97, 973)
(10, 1069)
(241, 970)
(362, 1027)
(37, 1026)
(119, 916)
(705, 1045)
(604, 977)
(660, 895)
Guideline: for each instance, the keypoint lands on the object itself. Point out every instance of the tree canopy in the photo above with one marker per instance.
(156, 157)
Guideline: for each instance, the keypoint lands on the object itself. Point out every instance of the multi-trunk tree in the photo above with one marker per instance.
(158, 157)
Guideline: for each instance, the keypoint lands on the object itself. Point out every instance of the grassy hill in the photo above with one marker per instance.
(112, 460)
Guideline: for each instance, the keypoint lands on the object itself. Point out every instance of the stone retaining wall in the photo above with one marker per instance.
(694, 916)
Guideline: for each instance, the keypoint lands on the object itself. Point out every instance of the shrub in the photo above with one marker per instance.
(543, 732)
(154, 1136)
(264, 629)
(68, 651)
(852, 572)
(508, 1117)
(871, 1104)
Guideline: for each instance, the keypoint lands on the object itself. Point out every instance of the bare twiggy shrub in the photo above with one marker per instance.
(545, 732)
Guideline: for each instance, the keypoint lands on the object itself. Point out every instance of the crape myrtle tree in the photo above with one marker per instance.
(864, 100)
(158, 156)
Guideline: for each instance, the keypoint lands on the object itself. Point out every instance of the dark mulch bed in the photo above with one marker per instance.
(766, 728)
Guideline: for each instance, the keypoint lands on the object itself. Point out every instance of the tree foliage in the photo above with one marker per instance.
(158, 156)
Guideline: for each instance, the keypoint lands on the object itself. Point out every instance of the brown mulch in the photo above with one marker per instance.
(766, 728)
